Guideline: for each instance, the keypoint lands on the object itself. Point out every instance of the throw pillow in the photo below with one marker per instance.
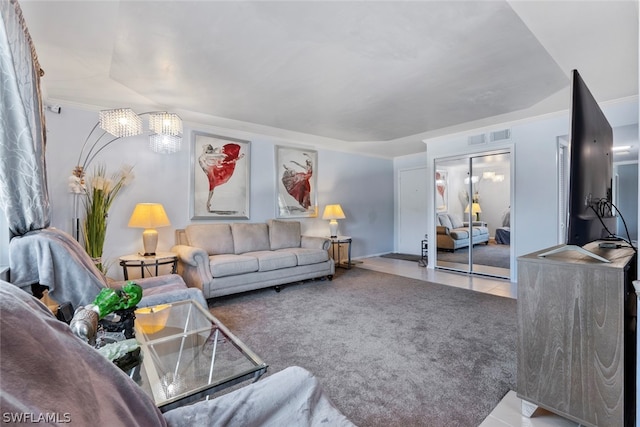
(456, 222)
(216, 239)
(250, 237)
(445, 221)
(284, 234)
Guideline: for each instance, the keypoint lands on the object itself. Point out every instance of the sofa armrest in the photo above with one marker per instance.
(314, 242)
(194, 267)
(191, 255)
(154, 282)
(441, 229)
(164, 289)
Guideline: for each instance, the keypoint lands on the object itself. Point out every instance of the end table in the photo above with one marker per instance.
(146, 262)
(337, 242)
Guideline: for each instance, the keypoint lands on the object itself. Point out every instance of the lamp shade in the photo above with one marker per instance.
(475, 208)
(149, 216)
(166, 131)
(333, 212)
(121, 122)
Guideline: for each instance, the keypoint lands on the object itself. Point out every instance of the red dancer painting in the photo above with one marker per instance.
(218, 164)
(297, 183)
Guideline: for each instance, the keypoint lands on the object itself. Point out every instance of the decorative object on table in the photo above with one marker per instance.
(296, 182)
(153, 319)
(476, 210)
(101, 192)
(149, 216)
(85, 324)
(118, 349)
(125, 354)
(165, 137)
(85, 320)
(118, 325)
(333, 213)
(220, 177)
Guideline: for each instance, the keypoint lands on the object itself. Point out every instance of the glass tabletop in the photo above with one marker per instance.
(188, 354)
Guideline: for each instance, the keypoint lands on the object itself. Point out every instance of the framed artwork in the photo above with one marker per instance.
(220, 177)
(296, 182)
(442, 196)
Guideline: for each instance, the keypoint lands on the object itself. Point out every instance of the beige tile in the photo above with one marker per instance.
(508, 412)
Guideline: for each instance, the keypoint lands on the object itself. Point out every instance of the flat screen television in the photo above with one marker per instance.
(590, 213)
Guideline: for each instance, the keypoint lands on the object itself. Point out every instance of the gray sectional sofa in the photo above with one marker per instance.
(453, 234)
(227, 258)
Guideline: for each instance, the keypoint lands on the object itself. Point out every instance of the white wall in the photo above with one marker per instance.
(363, 185)
(534, 149)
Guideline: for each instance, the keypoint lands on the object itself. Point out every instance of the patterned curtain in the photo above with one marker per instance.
(23, 183)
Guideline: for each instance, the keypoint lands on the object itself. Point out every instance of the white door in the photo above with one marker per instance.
(412, 211)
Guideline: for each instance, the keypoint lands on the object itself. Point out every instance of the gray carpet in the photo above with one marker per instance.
(492, 255)
(389, 351)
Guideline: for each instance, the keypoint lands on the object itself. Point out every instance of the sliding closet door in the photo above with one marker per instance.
(472, 203)
(491, 215)
(452, 184)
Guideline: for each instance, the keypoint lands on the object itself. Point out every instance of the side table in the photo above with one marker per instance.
(336, 242)
(146, 262)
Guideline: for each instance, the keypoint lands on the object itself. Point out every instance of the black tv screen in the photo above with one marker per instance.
(590, 168)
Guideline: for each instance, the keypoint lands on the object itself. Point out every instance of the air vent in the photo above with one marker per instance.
(500, 135)
(477, 139)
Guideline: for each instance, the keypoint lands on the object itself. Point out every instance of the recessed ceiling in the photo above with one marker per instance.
(371, 76)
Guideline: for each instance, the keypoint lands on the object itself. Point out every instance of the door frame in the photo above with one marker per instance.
(468, 155)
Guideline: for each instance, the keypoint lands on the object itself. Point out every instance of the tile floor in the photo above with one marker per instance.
(507, 413)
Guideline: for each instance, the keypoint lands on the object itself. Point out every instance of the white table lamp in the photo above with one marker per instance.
(475, 210)
(333, 213)
(149, 216)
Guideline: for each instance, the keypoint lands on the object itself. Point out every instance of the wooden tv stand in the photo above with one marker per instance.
(577, 335)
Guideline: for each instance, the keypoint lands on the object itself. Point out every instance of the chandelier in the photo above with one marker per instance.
(165, 136)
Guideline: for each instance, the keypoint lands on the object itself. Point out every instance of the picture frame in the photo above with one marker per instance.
(442, 191)
(296, 182)
(220, 177)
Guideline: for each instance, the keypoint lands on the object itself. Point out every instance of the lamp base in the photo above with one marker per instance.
(333, 228)
(150, 241)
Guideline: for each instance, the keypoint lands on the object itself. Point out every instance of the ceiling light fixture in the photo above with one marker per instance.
(121, 122)
(167, 132)
(118, 123)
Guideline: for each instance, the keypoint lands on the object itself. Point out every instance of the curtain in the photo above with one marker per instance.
(23, 185)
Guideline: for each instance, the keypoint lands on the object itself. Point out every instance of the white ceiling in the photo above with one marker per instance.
(367, 76)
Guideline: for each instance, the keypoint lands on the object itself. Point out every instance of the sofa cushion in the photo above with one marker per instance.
(308, 256)
(456, 222)
(459, 234)
(445, 221)
(249, 237)
(273, 260)
(214, 238)
(284, 234)
(229, 265)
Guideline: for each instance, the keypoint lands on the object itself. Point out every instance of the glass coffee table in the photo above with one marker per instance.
(187, 354)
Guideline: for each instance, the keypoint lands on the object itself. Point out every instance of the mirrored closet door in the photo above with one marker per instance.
(472, 213)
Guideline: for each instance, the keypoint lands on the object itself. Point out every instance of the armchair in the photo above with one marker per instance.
(53, 258)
